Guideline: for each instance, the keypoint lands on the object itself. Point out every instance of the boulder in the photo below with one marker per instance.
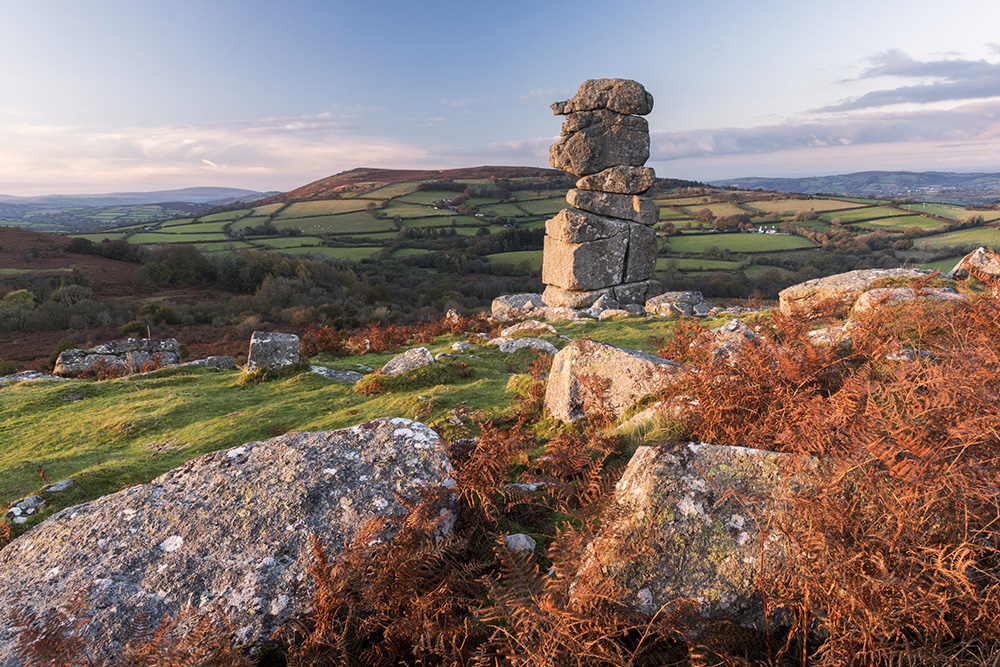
(677, 303)
(700, 513)
(127, 354)
(272, 350)
(620, 179)
(625, 207)
(575, 226)
(228, 531)
(510, 307)
(617, 378)
(512, 345)
(727, 341)
(529, 325)
(337, 376)
(583, 266)
(407, 361)
(981, 262)
(623, 96)
(629, 294)
(592, 141)
(887, 297)
(836, 335)
(833, 296)
(612, 313)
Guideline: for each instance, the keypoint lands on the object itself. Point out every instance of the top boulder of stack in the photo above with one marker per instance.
(622, 96)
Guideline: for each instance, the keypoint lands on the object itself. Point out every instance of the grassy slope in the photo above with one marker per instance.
(120, 432)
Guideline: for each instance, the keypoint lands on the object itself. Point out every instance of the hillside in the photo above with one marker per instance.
(867, 552)
(980, 189)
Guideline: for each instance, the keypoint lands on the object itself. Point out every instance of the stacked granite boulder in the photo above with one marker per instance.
(605, 244)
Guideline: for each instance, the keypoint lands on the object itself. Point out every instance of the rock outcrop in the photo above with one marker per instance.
(604, 245)
(228, 531)
(272, 350)
(688, 304)
(127, 354)
(833, 296)
(887, 297)
(588, 375)
(701, 515)
(982, 264)
(407, 361)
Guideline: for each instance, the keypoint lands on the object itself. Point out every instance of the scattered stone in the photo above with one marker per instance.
(24, 376)
(678, 303)
(676, 408)
(520, 542)
(696, 509)
(511, 307)
(412, 358)
(59, 486)
(887, 297)
(230, 530)
(619, 377)
(24, 508)
(460, 346)
(512, 345)
(337, 376)
(613, 312)
(909, 354)
(625, 207)
(528, 325)
(833, 296)
(128, 354)
(212, 362)
(620, 179)
(728, 340)
(980, 263)
(452, 316)
(269, 349)
(623, 96)
(837, 335)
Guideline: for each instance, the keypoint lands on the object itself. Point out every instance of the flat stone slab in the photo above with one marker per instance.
(512, 345)
(624, 207)
(618, 378)
(888, 297)
(337, 376)
(592, 141)
(126, 354)
(620, 179)
(229, 530)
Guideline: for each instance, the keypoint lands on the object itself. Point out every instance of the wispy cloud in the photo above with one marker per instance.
(943, 80)
(978, 121)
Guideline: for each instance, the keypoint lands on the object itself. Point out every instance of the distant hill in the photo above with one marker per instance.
(961, 188)
(214, 196)
(81, 213)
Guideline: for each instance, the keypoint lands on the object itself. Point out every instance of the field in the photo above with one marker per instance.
(980, 236)
(717, 210)
(534, 257)
(308, 209)
(665, 263)
(903, 222)
(793, 206)
(737, 242)
(866, 213)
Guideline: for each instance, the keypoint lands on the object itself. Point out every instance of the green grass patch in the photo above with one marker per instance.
(987, 236)
(942, 265)
(225, 215)
(393, 190)
(347, 223)
(289, 241)
(405, 210)
(902, 222)
(717, 209)
(310, 209)
(737, 242)
(544, 206)
(683, 264)
(866, 213)
(506, 210)
(518, 256)
(793, 206)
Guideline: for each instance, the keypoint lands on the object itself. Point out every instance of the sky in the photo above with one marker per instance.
(126, 95)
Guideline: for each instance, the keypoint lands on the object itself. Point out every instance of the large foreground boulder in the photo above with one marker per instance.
(889, 297)
(833, 296)
(589, 375)
(229, 531)
(982, 264)
(693, 522)
(128, 355)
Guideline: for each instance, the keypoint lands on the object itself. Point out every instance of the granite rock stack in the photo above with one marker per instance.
(604, 244)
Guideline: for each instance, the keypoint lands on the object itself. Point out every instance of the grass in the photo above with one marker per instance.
(867, 213)
(225, 215)
(392, 190)
(980, 236)
(289, 241)
(718, 209)
(347, 223)
(942, 265)
(544, 206)
(794, 206)
(518, 256)
(309, 209)
(415, 210)
(353, 253)
(902, 222)
(158, 238)
(696, 264)
(738, 242)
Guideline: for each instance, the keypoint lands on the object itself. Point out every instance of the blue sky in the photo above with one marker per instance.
(117, 95)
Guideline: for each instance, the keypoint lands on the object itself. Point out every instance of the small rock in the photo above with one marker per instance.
(413, 358)
(677, 303)
(512, 345)
(59, 486)
(336, 376)
(520, 542)
(212, 362)
(613, 312)
(460, 347)
(527, 325)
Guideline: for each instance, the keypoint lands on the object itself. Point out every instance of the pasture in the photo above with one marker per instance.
(790, 207)
(737, 242)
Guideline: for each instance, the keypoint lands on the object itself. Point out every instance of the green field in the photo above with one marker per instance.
(394, 190)
(184, 227)
(426, 197)
(737, 242)
(225, 215)
(415, 210)
(793, 206)
(157, 239)
(942, 265)
(506, 210)
(867, 213)
(288, 241)
(354, 253)
(902, 222)
(989, 237)
(346, 223)
(717, 210)
(543, 206)
(518, 256)
(309, 209)
(684, 264)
